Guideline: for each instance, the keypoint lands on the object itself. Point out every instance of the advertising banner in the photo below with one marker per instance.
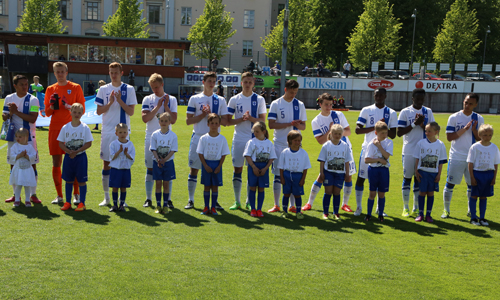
(372, 84)
(436, 86)
(90, 116)
(325, 83)
(227, 79)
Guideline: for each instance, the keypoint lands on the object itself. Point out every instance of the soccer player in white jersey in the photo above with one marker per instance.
(22, 110)
(115, 102)
(367, 119)
(247, 108)
(199, 106)
(152, 107)
(285, 114)
(411, 126)
(321, 125)
(461, 131)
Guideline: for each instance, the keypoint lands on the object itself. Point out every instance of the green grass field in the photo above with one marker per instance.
(46, 253)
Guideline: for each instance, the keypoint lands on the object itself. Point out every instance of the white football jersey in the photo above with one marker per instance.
(370, 115)
(216, 103)
(75, 137)
(430, 155)
(213, 148)
(484, 158)
(321, 124)
(260, 151)
(122, 161)
(406, 118)
(149, 103)
(460, 147)
(285, 112)
(335, 156)
(238, 106)
(115, 114)
(372, 151)
(163, 143)
(33, 105)
(294, 161)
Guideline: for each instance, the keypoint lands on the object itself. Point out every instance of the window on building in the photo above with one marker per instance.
(247, 48)
(154, 14)
(186, 16)
(92, 10)
(281, 7)
(248, 18)
(92, 33)
(63, 8)
(1, 7)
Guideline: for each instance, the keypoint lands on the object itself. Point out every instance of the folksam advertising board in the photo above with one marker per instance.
(325, 83)
(197, 79)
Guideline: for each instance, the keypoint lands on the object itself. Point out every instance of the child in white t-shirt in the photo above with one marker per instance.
(430, 155)
(21, 156)
(212, 150)
(293, 164)
(260, 154)
(482, 160)
(334, 158)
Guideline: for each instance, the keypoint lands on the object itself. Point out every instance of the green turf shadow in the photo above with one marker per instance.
(2, 213)
(178, 216)
(37, 212)
(230, 218)
(89, 216)
(133, 214)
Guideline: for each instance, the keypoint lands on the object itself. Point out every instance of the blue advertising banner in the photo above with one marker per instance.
(90, 116)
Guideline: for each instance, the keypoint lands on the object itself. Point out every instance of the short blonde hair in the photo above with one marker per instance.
(292, 135)
(102, 82)
(116, 65)
(121, 126)
(165, 114)
(334, 128)
(58, 64)
(77, 105)
(485, 127)
(155, 77)
(212, 116)
(381, 125)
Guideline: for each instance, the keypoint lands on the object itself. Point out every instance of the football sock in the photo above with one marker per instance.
(421, 203)
(248, 192)
(416, 191)
(285, 204)
(237, 186)
(123, 196)
(149, 183)
(215, 195)
(56, 176)
(406, 193)
(370, 206)
(359, 196)
(381, 206)
(158, 199)
(165, 199)
(447, 194)
(170, 184)
(292, 200)
(326, 203)
(472, 207)
(298, 202)
(251, 199)
(260, 200)
(105, 183)
(469, 191)
(430, 204)
(76, 188)
(69, 191)
(316, 187)
(206, 198)
(83, 194)
(336, 204)
(347, 192)
(115, 198)
(192, 180)
(277, 190)
(482, 208)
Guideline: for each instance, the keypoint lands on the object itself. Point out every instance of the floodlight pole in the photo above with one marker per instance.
(283, 52)
(484, 54)
(414, 16)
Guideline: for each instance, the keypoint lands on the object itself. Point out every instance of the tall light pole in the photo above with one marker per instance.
(284, 50)
(414, 16)
(485, 37)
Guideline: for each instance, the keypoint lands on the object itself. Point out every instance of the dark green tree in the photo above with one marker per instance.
(127, 21)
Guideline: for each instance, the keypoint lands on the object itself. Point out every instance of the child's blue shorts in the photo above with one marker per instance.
(335, 179)
(75, 168)
(120, 178)
(166, 173)
(261, 181)
(378, 177)
(211, 179)
(483, 187)
(292, 186)
(427, 183)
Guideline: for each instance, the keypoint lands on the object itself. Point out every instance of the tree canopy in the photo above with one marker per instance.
(127, 21)
(41, 16)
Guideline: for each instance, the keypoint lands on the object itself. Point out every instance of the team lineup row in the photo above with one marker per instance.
(247, 112)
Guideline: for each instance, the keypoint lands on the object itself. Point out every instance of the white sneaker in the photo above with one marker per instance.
(358, 212)
(384, 214)
(76, 199)
(445, 214)
(475, 222)
(125, 204)
(104, 202)
(58, 200)
(484, 222)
